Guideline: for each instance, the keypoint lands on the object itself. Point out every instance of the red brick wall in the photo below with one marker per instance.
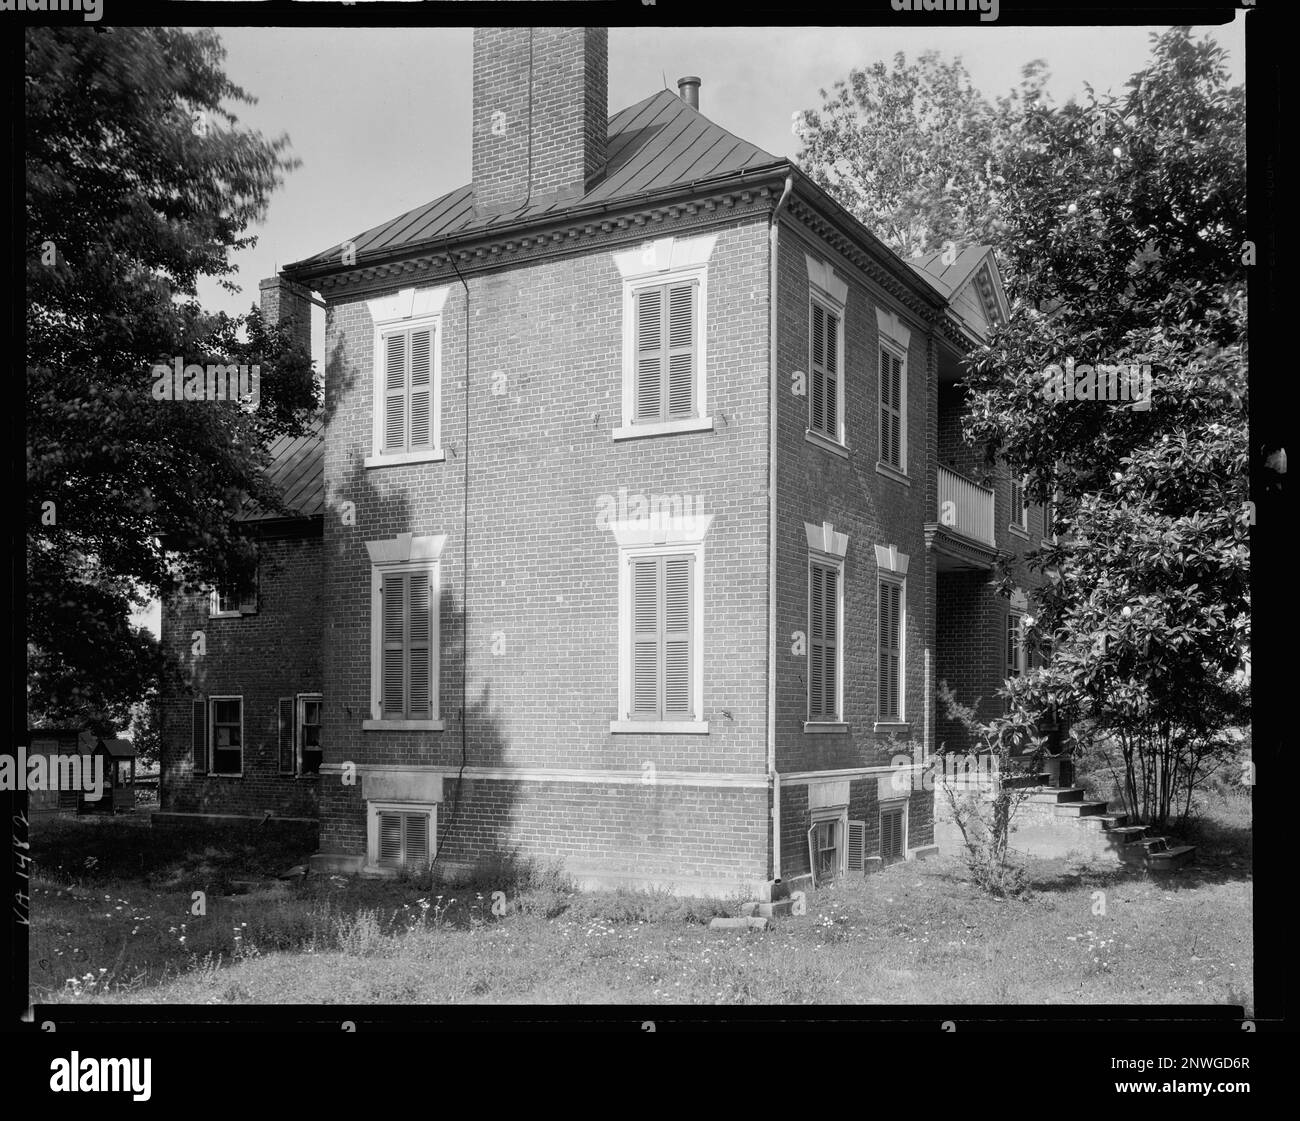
(569, 111)
(542, 569)
(265, 656)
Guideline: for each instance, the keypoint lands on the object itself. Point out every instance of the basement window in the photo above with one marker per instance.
(401, 835)
(893, 832)
(828, 844)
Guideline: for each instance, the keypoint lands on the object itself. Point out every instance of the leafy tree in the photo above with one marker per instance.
(1128, 250)
(916, 152)
(139, 182)
(146, 733)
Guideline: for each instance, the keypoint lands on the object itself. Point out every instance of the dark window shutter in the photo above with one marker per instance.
(393, 620)
(390, 839)
(416, 839)
(419, 645)
(831, 382)
(199, 735)
(288, 754)
(823, 642)
(857, 848)
(677, 638)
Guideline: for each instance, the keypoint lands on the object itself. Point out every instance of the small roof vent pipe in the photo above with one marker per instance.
(688, 89)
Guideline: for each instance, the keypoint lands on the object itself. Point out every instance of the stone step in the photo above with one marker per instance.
(748, 922)
(1171, 858)
(1106, 822)
(1057, 794)
(780, 908)
(1127, 834)
(1080, 809)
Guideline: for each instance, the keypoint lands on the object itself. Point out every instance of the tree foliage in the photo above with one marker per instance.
(139, 183)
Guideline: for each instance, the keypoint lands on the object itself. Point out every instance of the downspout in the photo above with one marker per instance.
(771, 529)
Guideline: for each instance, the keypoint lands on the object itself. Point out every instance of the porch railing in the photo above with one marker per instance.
(965, 507)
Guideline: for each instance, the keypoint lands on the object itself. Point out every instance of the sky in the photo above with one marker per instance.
(380, 117)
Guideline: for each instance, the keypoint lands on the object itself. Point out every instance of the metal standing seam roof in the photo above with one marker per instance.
(297, 471)
(948, 278)
(654, 145)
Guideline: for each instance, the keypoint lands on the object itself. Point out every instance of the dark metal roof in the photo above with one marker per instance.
(949, 277)
(654, 145)
(297, 471)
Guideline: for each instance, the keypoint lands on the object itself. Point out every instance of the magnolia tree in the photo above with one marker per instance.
(139, 182)
(1129, 254)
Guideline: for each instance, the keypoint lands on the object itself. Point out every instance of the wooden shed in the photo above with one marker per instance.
(119, 776)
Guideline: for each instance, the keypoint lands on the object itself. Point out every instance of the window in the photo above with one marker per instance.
(661, 628)
(227, 736)
(826, 849)
(825, 604)
(894, 339)
(665, 352)
(401, 835)
(891, 409)
(309, 742)
(231, 602)
(404, 630)
(299, 737)
(407, 377)
(893, 832)
(665, 305)
(889, 647)
(406, 667)
(1017, 658)
(1019, 507)
(825, 408)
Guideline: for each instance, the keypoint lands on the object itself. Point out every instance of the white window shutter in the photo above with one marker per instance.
(649, 353)
(681, 350)
(645, 638)
(395, 392)
(421, 429)
(812, 854)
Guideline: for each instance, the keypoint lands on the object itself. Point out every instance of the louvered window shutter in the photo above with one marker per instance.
(812, 853)
(817, 390)
(645, 638)
(888, 630)
(393, 608)
(831, 381)
(421, 403)
(677, 638)
(199, 735)
(891, 833)
(416, 839)
(649, 353)
(419, 641)
(288, 754)
(390, 839)
(681, 350)
(857, 847)
(891, 403)
(823, 643)
(395, 392)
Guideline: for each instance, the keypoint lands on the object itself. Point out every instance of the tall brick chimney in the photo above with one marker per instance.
(541, 111)
(288, 302)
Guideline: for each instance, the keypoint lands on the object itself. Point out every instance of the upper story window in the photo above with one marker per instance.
(407, 387)
(228, 601)
(1019, 506)
(828, 296)
(895, 338)
(665, 332)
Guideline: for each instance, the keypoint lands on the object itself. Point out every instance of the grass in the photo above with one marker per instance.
(121, 930)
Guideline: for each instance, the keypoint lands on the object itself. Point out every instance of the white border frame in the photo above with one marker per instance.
(401, 311)
(373, 809)
(212, 735)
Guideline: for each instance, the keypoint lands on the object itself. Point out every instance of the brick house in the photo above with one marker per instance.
(242, 737)
(649, 528)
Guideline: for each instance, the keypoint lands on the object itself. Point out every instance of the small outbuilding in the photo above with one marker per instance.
(119, 775)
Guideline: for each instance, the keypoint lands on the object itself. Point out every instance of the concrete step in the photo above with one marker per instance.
(1127, 834)
(781, 908)
(1105, 822)
(1171, 858)
(1057, 794)
(1080, 809)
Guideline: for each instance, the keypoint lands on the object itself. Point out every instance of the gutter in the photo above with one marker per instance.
(772, 240)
